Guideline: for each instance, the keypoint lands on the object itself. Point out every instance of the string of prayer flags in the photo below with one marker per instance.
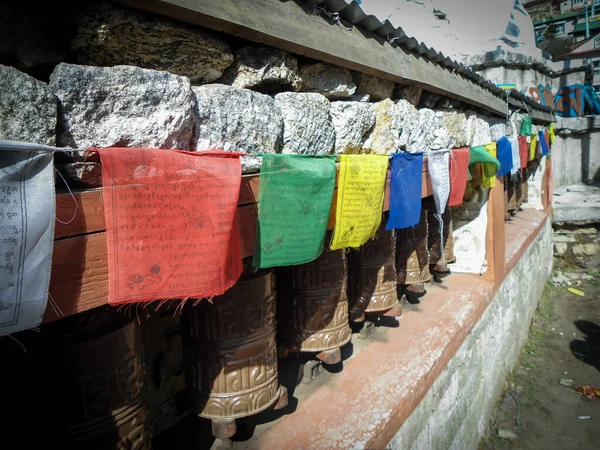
(170, 223)
(361, 187)
(543, 143)
(504, 155)
(516, 157)
(27, 209)
(486, 155)
(526, 126)
(523, 151)
(533, 147)
(459, 174)
(438, 163)
(294, 202)
(405, 190)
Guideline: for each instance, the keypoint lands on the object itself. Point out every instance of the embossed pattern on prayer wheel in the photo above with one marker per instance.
(519, 190)
(230, 355)
(412, 255)
(313, 305)
(525, 186)
(433, 237)
(372, 274)
(106, 393)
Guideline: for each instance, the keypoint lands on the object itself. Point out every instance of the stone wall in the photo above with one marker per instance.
(456, 411)
(132, 79)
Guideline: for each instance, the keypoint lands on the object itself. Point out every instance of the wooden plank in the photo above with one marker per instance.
(88, 215)
(286, 25)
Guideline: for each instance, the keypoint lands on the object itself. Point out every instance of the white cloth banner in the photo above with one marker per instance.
(516, 157)
(439, 171)
(27, 208)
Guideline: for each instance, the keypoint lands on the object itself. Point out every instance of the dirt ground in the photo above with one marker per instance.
(541, 409)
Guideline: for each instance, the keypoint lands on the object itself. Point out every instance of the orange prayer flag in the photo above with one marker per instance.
(170, 223)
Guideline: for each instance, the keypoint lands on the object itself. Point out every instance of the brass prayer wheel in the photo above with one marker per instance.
(372, 276)
(230, 354)
(412, 255)
(313, 306)
(512, 194)
(505, 181)
(106, 406)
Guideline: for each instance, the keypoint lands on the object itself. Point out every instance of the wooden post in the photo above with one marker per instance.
(495, 239)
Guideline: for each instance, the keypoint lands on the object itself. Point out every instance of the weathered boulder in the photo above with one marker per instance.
(498, 127)
(478, 130)
(25, 44)
(410, 124)
(411, 93)
(238, 120)
(109, 35)
(456, 124)
(352, 122)
(395, 123)
(385, 137)
(27, 108)
(263, 69)
(307, 127)
(333, 82)
(123, 106)
(377, 88)
(430, 134)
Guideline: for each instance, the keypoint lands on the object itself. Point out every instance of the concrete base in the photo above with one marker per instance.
(456, 411)
(576, 205)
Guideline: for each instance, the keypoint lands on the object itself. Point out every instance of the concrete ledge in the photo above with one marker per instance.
(384, 394)
(576, 205)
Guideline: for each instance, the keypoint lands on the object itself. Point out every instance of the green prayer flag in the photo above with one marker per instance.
(526, 126)
(294, 202)
(490, 164)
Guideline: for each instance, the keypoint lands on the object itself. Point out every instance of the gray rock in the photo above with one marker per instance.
(456, 124)
(478, 131)
(307, 127)
(264, 69)
(385, 137)
(430, 133)
(88, 174)
(498, 127)
(411, 93)
(410, 125)
(123, 106)
(27, 108)
(108, 35)
(507, 434)
(238, 120)
(352, 122)
(377, 88)
(333, 82)
(25, 44)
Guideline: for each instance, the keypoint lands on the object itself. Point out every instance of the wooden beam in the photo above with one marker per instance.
(495, 235)
(287, 25)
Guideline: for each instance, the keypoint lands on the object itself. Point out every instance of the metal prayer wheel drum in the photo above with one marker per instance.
(313, 306)
(511, 192)
(412, 255)
(230, 354)
(372, 277)
(105, 391)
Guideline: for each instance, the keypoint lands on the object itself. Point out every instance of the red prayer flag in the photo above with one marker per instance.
(523, 151)
(170, 223)
(459, 174)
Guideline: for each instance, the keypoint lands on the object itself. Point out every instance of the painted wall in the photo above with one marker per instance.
(456, 411)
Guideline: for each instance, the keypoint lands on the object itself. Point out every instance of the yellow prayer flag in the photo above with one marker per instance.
(361, 187)
(532, 147)
(551, 133)
(489, 170)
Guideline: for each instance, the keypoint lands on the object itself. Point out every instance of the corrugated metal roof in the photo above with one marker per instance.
(351, 12)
